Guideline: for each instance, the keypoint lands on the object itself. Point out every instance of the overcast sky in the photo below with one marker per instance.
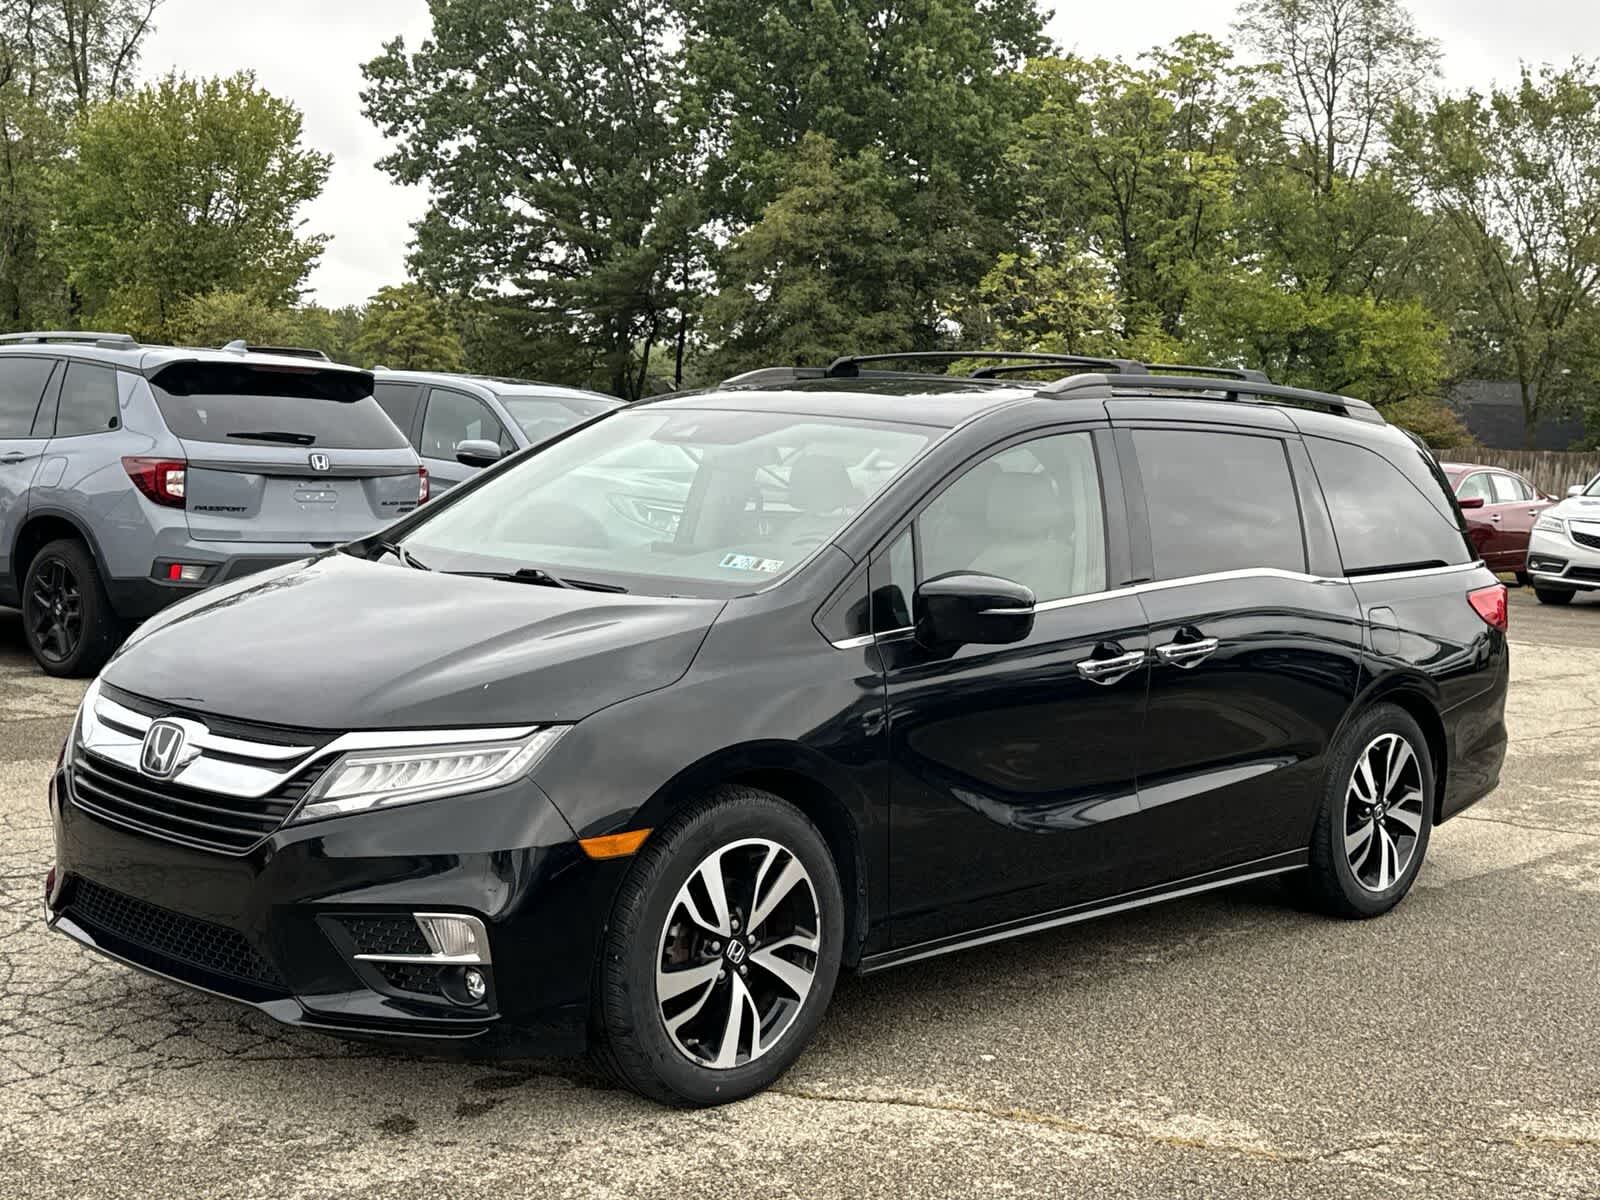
(310, 52)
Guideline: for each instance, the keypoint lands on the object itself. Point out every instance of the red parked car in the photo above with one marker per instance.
(1500, 507)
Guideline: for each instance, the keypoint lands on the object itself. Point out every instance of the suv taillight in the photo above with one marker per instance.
(422, 485)
(1490, 604)
(162, 480)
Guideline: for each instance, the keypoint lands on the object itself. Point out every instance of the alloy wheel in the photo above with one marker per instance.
(54, 611)
(738, 953)
(1383, 812)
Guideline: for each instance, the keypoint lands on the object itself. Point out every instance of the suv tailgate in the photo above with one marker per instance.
(285, 451)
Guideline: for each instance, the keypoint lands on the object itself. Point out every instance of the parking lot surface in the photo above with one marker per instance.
(1219, 1047)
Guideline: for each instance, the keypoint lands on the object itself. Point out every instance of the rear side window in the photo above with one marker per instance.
(241, 404)
(22, 382)
(1218, 502)
(88, 401)
(399, 402)
(1383, 521)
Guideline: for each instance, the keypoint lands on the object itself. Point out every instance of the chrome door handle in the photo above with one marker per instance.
(1187, 654)
(1494, 516)
(1106, 671)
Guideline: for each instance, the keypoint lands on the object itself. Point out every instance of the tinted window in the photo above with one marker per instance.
(1382, 520)
(399, 403)
(455, 417)
(894, 581)
(206, 402)
(22, 382)
(1218, 502)
(542, 417)
(1508, 489)
(88, 401)
(1031, 514)
(1476, 487)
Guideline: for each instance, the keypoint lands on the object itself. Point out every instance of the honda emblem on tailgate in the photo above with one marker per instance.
(319, 462)
(166, 749)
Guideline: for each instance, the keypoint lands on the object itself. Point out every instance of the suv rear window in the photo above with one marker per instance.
(225, 402)
(1383, 521)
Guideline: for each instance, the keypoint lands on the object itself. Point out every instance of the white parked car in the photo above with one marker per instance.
(1564, 550)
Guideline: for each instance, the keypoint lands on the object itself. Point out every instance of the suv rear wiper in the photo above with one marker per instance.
(543, 578)
(288, 437)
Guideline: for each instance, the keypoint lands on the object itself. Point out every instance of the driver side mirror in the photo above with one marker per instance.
(1470, 502)
(478, 452)
(964, 609)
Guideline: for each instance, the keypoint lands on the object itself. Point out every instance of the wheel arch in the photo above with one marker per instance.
(41, 527)
(819, 788)
(1417, 696)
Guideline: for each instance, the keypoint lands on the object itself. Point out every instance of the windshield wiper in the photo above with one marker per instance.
(286, 436)
(400, 552)
(543, 578)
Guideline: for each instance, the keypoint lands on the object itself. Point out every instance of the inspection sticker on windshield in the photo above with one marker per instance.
(749, 562)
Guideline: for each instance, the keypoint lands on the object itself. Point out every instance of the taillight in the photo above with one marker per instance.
(422, 485)
(162, 480)
(1490, 604)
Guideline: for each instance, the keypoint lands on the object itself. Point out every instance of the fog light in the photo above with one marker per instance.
(477, 987)
(454, 937)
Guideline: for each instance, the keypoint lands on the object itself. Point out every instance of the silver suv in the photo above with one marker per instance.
(131, 476)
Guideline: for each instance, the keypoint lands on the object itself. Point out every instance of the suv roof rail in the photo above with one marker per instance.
(1244, 373)
(240, 346)
(109, 341)
(1245, 391)
(849, 366)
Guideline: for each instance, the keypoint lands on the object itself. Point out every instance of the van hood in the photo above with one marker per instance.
(339, 643)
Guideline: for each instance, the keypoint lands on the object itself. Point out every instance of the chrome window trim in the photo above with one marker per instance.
(1157, 585)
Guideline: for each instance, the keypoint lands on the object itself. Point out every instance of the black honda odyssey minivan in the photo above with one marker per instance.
(638, 739)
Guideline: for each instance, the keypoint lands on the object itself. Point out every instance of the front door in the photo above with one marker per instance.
(1255, 658)
(451, 418)
(1013, 767)
(22, 442)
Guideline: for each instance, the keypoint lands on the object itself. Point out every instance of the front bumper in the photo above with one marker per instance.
(1562, 560)
(272, 928)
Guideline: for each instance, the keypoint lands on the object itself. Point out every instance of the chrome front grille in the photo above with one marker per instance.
(1591, 540)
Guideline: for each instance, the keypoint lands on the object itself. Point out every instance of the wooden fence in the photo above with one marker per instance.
(1551, 471)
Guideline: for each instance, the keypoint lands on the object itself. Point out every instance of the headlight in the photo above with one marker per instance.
(368, 779)
(1549, 524)
(86, 721)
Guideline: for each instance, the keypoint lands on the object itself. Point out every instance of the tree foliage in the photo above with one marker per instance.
(184, 187)
(407, 328)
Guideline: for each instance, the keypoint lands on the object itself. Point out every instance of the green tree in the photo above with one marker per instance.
(558, 174)
(184, 187)
(920, 86)
(56, 58)
(407, 328)
(218, 317)
(1515, 174)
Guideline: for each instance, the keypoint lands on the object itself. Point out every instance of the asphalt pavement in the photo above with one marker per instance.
(1217, 1047)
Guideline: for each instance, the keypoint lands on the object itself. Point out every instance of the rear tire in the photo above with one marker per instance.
(1376, 818)
(767, 948)
(66, 615)
(1554, 595)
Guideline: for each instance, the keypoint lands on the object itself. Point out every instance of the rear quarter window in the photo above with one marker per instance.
(1383, 518)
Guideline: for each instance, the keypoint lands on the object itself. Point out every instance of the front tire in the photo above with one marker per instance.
(66, 614)
(1554, 595)
(722, 952)
(1376, 818)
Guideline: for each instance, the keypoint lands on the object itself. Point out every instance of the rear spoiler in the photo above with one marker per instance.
(210, 377)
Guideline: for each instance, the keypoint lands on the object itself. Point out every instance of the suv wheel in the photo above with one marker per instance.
(1554, 595)
(66, 615)
(1376, 818)
(722, 952)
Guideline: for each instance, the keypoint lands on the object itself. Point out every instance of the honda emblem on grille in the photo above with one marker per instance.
(319, 462)
(166, 749)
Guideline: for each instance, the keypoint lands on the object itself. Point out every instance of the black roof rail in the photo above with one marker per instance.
(240, 346)
(849, 365)
(766, 375)
(1246, 391)
(109, 341)
(1244, 373)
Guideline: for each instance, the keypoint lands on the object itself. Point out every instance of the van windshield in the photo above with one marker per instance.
(655, 499)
